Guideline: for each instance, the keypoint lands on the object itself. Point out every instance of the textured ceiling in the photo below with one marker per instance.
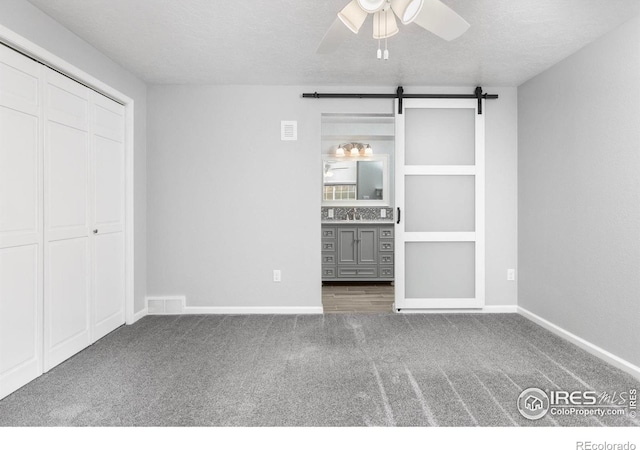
(274, 42)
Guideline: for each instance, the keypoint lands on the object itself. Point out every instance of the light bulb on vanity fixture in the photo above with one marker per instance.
(339, 151)
(366, 150)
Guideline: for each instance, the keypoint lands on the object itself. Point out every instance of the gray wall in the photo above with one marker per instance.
(25, 19)
(228, 201)
(579, 193)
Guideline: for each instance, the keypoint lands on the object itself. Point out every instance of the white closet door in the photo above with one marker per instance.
(66, 234)
(108, 174)
(440, 193)
(20, 221)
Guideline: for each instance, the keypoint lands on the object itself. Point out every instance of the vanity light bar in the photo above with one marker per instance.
(354, 149)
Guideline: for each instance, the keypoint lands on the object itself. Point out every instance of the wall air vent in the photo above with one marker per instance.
(165, 305)
(289, 130)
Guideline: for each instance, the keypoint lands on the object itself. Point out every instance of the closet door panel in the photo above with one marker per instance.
(67, 101)
(108, 118)
(19, 82)
(21, 216)
(108, 209)
(19, 178)
(20, 309)
(109, 185)
(67, 299)
(108, 283)
(67, 178)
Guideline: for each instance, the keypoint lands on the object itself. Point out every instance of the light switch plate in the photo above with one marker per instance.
(330, 213)
(383, 213)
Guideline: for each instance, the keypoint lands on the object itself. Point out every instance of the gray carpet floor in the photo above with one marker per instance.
(314, 370)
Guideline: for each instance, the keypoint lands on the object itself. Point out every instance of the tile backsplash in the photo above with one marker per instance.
(361, 213)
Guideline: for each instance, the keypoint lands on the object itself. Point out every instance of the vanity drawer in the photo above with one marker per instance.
(386, 258)
(357, 272)
(328, 272)
(328, 258)
(386, 271)
(328, 245)
(386, 246)
(386, 232)
(328, 232)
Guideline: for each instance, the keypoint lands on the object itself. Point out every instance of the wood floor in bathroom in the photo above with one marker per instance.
(357, 298)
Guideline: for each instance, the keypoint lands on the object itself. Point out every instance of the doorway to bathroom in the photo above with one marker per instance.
(357, 213)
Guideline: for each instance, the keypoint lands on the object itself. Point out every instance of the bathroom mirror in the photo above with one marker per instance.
(355, 181)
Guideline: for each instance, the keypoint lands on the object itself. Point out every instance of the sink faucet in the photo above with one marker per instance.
(353, 212)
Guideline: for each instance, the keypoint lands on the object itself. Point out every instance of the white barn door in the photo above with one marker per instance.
(20, 221)
(440, 196)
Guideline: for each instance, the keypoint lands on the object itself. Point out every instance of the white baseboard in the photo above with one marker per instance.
(139, 315)
(165, 305)
(612, 359)
(489, 309)
(253, 310)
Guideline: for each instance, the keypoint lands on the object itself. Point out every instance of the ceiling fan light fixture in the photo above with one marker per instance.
(441, 20)
(371, 6)
(384, 25)
(407, 10)
(353, 16)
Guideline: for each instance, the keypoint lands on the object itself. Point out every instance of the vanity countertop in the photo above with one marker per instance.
(357, 222)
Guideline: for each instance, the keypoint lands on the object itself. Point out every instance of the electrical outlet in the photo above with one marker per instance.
(383, 213)
(277, 276)
(511, 274)
(330, 213)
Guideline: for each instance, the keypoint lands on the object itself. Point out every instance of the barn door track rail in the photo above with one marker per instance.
(400, 95)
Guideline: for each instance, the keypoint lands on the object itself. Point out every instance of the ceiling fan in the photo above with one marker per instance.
(432, 15)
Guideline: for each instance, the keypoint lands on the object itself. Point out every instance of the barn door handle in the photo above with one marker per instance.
(398, 216)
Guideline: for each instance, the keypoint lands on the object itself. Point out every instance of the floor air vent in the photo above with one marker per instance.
(165, 305)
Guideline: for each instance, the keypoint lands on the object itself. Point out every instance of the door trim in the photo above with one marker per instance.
(477, 236)
(32, 50)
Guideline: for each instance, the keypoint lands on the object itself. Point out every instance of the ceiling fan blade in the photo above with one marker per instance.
(441, 20)
(334, 36)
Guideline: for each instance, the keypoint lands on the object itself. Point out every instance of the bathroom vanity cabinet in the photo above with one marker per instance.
(357, 252)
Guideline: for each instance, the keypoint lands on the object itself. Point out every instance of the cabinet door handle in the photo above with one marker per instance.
(95, 231)
(398, 216)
